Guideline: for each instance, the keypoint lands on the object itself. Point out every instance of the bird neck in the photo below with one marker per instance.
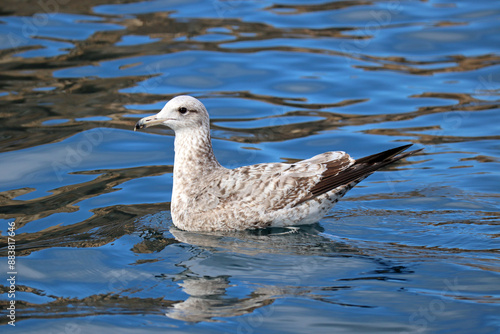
(194, 156)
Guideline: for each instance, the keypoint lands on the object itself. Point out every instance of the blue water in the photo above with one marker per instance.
(412, 249)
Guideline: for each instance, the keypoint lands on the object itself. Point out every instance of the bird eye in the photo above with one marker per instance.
(183, 110)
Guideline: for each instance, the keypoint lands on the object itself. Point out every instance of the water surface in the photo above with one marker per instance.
(412, 249)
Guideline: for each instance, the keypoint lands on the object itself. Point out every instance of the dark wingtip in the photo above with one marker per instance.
(407, 154)
(387, 155)
(358, 171)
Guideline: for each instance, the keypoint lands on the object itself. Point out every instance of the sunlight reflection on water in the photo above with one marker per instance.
(413, 248)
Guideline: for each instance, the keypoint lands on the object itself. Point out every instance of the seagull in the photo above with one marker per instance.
(209, 197)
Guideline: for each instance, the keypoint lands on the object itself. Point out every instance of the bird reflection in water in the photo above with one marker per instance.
(224, 257)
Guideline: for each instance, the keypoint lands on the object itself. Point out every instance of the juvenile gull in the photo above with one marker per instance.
(208, 197)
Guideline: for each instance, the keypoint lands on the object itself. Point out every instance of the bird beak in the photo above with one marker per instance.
(148, 121)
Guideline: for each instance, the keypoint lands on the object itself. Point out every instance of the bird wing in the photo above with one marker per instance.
(275, 186)
(333, 178)
(272, 186)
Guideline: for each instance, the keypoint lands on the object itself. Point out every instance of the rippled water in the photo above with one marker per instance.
(413, 248)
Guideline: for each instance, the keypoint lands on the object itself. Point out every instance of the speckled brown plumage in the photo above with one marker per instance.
(208, 197)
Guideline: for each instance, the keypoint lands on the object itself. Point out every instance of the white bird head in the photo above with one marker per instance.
(180, 113)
